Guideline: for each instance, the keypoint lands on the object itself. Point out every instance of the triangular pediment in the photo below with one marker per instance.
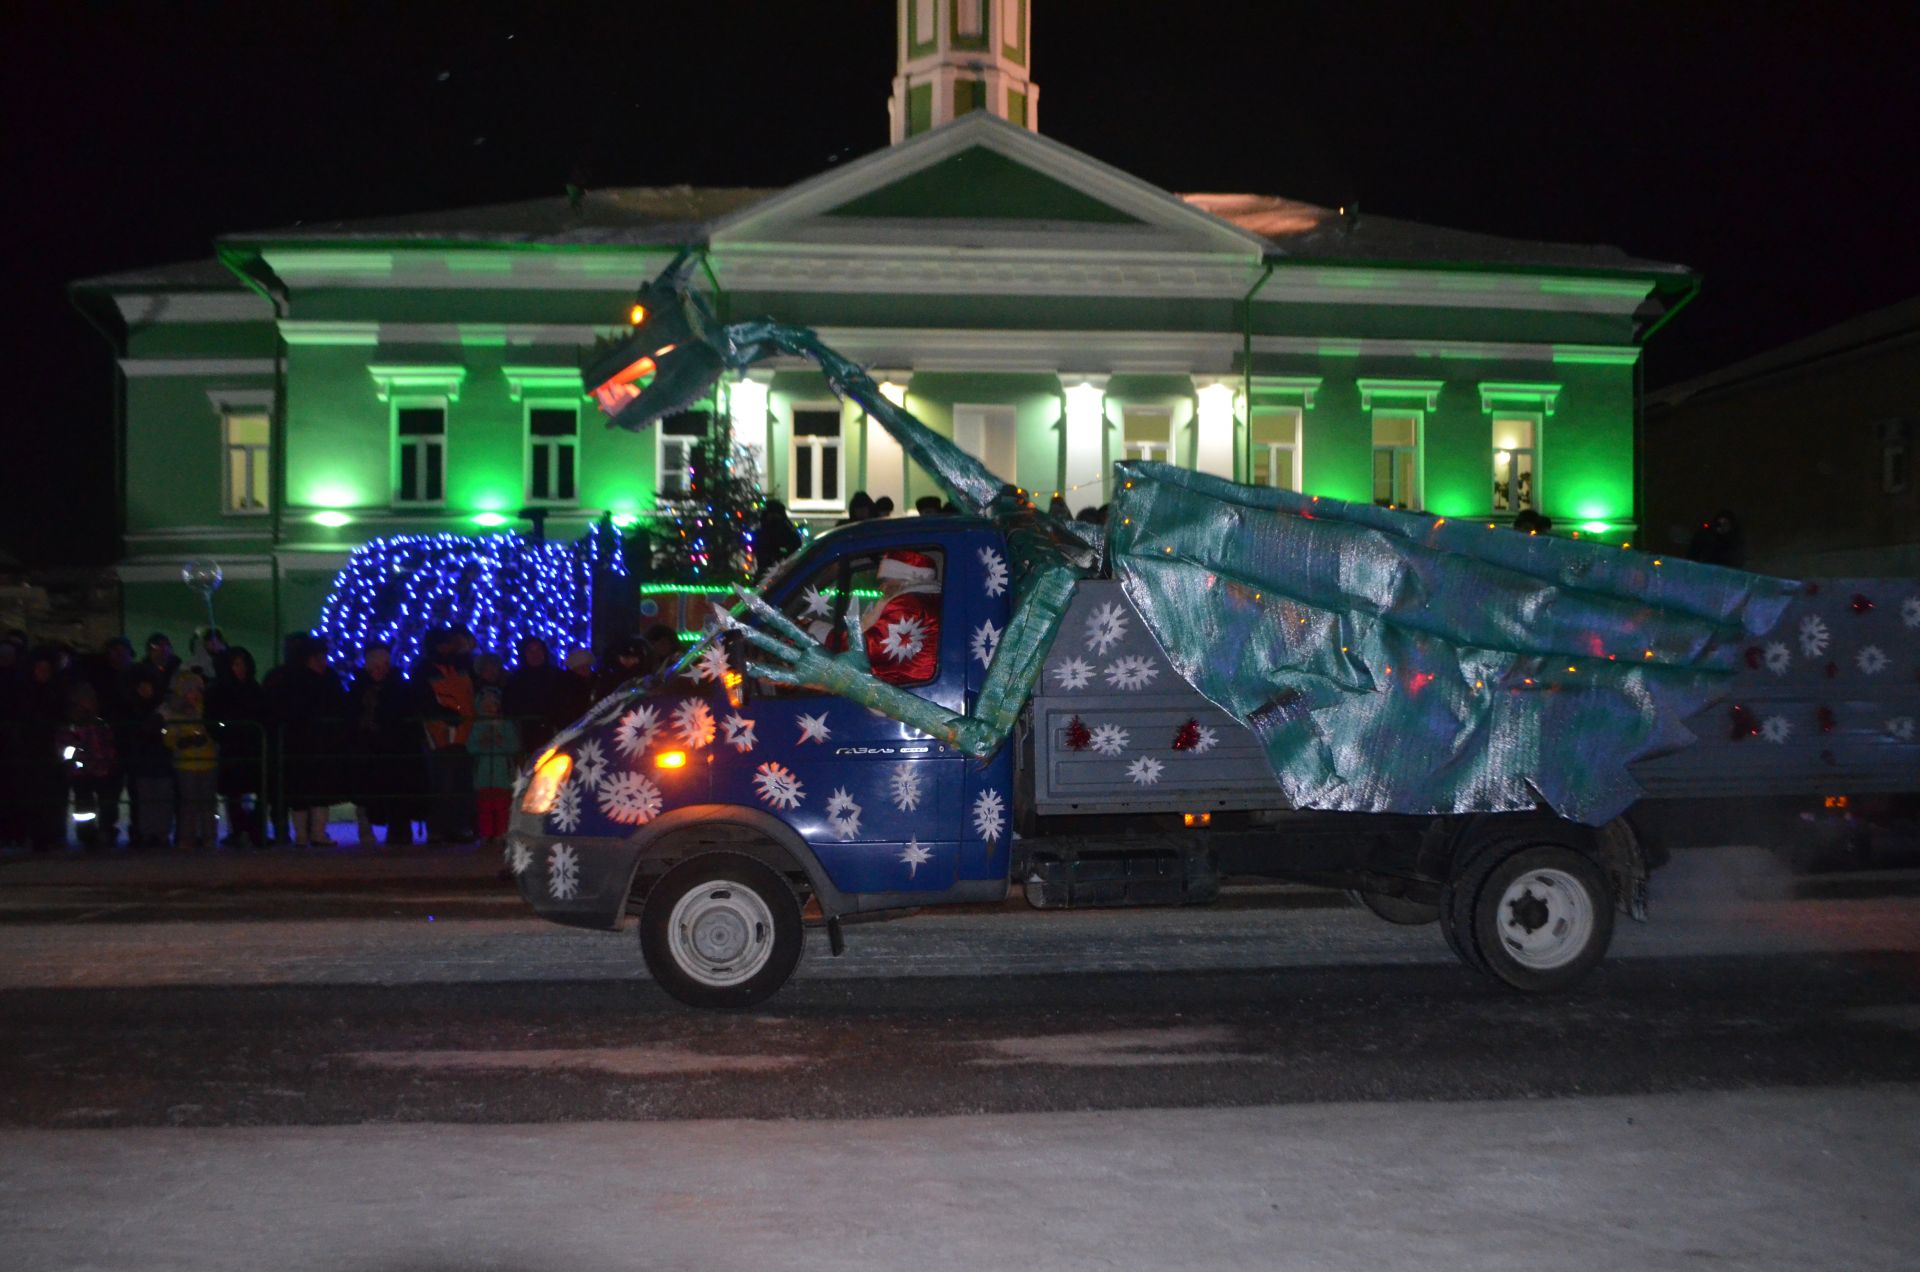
(980, 182)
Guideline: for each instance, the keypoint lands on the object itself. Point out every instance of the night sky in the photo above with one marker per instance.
(1767, 146)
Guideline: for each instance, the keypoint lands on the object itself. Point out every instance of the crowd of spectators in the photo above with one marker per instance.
(97, 745)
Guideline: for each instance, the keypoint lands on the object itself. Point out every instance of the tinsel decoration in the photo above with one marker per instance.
(1862, 603)
(1187, 736)
(1079, 737)
(1744, 725)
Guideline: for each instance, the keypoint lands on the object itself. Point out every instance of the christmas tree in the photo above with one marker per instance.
(705, 535)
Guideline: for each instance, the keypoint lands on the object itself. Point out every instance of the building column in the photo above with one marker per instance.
(886, 463)
(747, 412)
(1213, 448)
(1083, 432)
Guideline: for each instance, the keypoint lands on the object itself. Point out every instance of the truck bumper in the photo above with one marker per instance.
(575, 881)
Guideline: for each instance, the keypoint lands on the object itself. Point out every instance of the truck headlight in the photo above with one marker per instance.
(548, 774)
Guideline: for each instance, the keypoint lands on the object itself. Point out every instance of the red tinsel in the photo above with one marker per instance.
(1187, 736)
(1744, 725)
(1079, 737)
(1861, 603)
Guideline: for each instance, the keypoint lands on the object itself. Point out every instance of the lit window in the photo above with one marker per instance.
(244, 436)
(1396, 459)
(680, 435)
(553, 440)
(1515, 488)
(420, 454)
(1148, 435)
(1276, 448)
(815, 470)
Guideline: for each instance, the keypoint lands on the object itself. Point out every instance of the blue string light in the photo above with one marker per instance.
(503, 588)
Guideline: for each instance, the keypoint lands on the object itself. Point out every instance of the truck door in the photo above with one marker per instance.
(879, 802)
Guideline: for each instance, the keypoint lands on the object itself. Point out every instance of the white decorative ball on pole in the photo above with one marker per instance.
(203, 577)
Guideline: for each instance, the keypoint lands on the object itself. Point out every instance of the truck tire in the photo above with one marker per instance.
(1395, 909)
(1538, 917)
(721, 930)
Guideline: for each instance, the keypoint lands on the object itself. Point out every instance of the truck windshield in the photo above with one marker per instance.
(775, 579)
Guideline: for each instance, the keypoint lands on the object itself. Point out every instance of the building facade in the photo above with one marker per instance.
(312, 388)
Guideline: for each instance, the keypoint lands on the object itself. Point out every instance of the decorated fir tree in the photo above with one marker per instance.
(705, 532)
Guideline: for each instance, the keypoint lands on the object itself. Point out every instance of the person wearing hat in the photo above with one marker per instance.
(903, 631)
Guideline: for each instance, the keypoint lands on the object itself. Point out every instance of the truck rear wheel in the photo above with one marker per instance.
(721, 930)
(1537, 916)
(1393, 909)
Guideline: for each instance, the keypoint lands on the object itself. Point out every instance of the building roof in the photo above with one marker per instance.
(205, 274)
(1857, 334)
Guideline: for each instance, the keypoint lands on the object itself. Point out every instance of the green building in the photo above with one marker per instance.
(307, 389)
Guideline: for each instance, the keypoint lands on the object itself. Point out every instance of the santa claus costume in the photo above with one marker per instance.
(903, 631)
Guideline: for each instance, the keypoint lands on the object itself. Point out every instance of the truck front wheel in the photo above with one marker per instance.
(1538, 918)
(721, 930)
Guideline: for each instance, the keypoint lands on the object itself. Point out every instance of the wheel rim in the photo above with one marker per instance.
(721, 934)
(1546, 919)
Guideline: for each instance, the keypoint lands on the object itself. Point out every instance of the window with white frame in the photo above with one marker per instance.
(246, 480)
(1147, 435)
(1516, 485)
(420, 452)
(1396, 459)
(815, 473)
(680, 435)
(1276, 447)
(553, 443)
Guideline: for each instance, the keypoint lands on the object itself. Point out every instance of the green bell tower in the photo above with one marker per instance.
(954, 56)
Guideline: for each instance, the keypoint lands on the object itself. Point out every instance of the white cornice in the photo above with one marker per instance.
(462, 268)
(141, 309)
(1451, 289)
(1474, 350)
(481, 334)
(142, 368)
(902, 270)
(960, 349)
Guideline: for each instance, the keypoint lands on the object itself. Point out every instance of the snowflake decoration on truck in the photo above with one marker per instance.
(1871, 660)
(905, 787)
(1074, 673)
(1910, 611)
(904, 638)
(913, 856)
(985, 643)
(1109, 739)
(989, 814)
(565, 814)
(712, 664)
(1776, 729)
(994, 568)
(1778, 657)
(778, 786)
(637, 730)
(563, 873)
(1813, 636)
(519, 855)
(589, 763)
(843, 814)
(1106, 627)
(813, 728)
(1131, 671)
(1900, 728)
(1145, 771)
(737, 732)
(630, 799)
(694, 722)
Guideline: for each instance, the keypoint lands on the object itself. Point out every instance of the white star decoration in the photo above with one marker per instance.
(986, 643)
(989, 811)
(996, 571)
(905, 784)
(630, 799)
(565, 813)
(563, 873)
(813, 728)
(694, 722)
(1871, 660)
(519, 856)
(1910, 611)
(1900, 728)
(636, 730)
(843, 814)
(1131, 671)
(1203, 740)
(589, 763)
(519, 784)
(1108, 739)
(903, 639)
(914, 856)
(1778, 657)
(1105, 628)
(1074, 673)
(1145, 771)
(737, 732)
(778, 786)
(817, 605)
(1776, 729)
(1813, 636)
(712, 664)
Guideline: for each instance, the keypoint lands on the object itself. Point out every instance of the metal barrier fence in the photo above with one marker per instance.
(195, 783)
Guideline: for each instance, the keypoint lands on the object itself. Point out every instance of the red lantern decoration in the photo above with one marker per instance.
(1079, 737)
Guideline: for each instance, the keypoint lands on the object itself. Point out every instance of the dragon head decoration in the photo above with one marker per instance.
(669, 358)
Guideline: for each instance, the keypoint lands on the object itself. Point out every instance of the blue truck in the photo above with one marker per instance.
(728, 813)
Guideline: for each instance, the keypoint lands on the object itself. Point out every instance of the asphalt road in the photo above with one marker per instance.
(345, 1040)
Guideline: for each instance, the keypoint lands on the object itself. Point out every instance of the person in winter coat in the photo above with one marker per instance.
(43, 776)
(309, 707)
(196, 763)
(494, 744)
(443, 674)
(388, 746)
(148, 763)
(237, 708)
(531, 690)
(86, 747)
(575, 692)
(629, 659)
(776, 539)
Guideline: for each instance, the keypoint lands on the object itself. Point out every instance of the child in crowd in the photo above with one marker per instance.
(494, 743)
(148, 763)
(196, 761)
(93, 769)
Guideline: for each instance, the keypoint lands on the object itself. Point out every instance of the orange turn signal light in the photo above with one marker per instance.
(637, 315)
(548, 774)
(670, 760)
